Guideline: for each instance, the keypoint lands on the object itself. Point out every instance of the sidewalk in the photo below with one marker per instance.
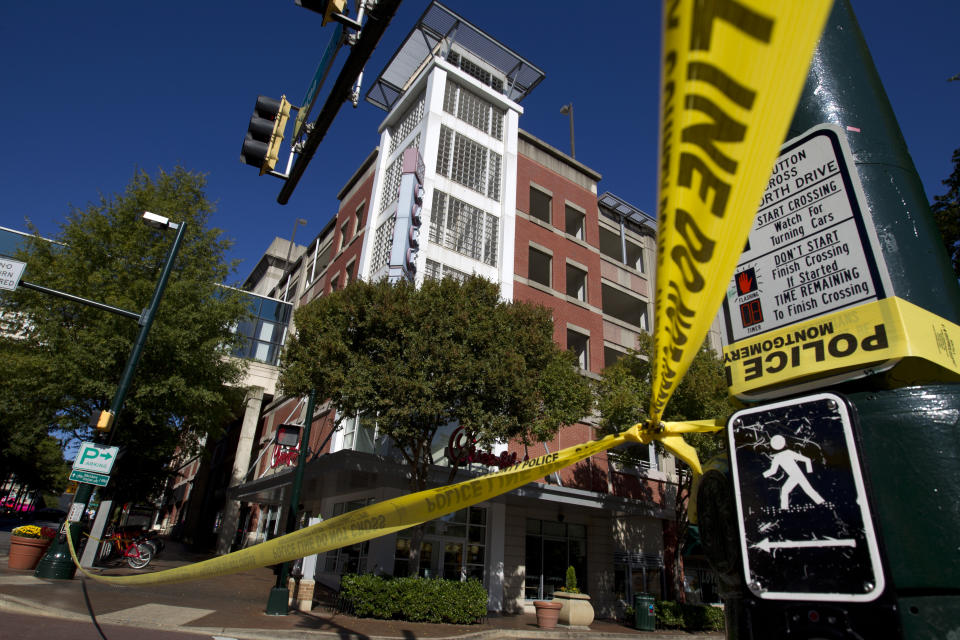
(233, 607)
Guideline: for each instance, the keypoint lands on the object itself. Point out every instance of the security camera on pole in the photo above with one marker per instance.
(835, 515)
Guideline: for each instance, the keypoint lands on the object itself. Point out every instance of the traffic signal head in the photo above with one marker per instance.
(288, 435)
(261, 146)
(324, 7)
(102, 421)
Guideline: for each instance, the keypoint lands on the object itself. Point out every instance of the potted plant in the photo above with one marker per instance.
(28, 543)
(575, 610)
(547, 613)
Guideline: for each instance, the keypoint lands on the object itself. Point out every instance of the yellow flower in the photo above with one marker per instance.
(28, 531)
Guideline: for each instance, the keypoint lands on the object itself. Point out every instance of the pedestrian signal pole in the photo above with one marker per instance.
(835, 514)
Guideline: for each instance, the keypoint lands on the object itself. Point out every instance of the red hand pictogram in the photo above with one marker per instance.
(744, 282)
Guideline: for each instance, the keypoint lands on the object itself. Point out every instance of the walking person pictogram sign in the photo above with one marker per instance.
(806, 532)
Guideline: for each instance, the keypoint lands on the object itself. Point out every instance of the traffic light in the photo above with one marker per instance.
(102, 421)
(326, 8)
(288, 435)
(261, 146)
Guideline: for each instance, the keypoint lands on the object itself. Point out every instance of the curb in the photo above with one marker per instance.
(24, 606)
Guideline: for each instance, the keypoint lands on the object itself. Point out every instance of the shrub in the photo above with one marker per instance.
(413, 599)
(698, 617)
(691, 617)
(669, 614)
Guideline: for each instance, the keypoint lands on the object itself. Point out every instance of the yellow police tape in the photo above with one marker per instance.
(398, 513)
(732, 74)
(914, 345)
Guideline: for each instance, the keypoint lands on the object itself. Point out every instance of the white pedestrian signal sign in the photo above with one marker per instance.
(788, 460)
(805, 527)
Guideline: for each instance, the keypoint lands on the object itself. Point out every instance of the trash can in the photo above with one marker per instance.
(646, 618)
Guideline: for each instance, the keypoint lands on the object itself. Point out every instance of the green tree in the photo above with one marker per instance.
(623, 399)
(421, 358)
(70, 357)
(946, 212)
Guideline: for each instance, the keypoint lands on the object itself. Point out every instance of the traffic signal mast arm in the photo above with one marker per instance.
(376, 24)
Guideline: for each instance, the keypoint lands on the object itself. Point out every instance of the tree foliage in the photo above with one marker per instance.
(68, 357)
(422, 358)
(946, 212)
(623, 399)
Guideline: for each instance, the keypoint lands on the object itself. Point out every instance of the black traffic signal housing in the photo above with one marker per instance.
(326, 8)
(288, 435)
(261, 146)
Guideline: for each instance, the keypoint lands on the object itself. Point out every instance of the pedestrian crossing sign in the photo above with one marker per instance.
(806, 532)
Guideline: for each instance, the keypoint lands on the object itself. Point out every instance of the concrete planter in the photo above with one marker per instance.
(576, 610)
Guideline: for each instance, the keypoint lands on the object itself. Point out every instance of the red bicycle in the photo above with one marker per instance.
(133, 549)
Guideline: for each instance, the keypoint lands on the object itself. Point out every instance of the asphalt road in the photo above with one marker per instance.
(25, 627)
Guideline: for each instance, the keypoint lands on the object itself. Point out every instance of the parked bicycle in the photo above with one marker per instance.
(134, 547)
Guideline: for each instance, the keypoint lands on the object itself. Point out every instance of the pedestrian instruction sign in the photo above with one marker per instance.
(88, 477)
(811, 248)
(95, 457)
(805, 527)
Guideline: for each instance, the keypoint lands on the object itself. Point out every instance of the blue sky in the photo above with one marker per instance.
(93, 91)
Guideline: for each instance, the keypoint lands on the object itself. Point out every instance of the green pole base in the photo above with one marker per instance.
(57, 563)
(278, 602)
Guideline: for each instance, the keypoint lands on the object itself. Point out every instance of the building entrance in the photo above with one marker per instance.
(551, 548)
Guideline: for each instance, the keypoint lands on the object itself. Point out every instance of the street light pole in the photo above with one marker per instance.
(567, 109)
(57, 563)
(277, 603)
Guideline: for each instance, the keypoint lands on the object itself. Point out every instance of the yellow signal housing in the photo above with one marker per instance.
(333, 6)
(104, 421)
(276, 137)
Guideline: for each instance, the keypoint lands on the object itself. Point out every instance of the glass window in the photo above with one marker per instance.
(539, 267)
(361, 210)
(469, 163)
(579, 344)
(634, 256)
(382, 245)
(352, 558)
(540, 205)
(407, 123)
(574, 222)
(463, 228)
(576, 283)
(452, 548)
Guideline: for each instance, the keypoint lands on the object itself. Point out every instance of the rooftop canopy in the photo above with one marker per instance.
(611, 203)
(433, 34)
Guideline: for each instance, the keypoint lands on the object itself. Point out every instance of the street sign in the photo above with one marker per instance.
(95, 457)
(805, 527)
(323, 68)
(88, 477)
(811, 249)
(10, 272)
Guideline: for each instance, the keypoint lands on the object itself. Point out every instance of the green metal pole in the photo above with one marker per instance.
(909, 444)
(57, 563)
(146, 321)
(911, 451)
(277, 603)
